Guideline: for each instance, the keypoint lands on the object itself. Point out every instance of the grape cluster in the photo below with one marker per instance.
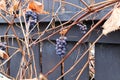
(32, 17)
(61, 46)
(83, 28)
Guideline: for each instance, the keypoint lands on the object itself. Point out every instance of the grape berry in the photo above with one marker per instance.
(32, 17)
(83, 28)
(61, 46)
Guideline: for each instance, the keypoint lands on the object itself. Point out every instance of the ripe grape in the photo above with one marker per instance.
(31, 17)
(61, 46)
(83, 27)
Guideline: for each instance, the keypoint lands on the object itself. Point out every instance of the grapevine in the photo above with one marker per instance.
(29, 39)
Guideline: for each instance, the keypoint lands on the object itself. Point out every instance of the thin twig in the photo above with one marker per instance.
(48, 25)
(9, 57)
(5, 18)
(75, 22)
(71, 4)
(70, 52)
(81, 71)
(85, 4)
(72, 67)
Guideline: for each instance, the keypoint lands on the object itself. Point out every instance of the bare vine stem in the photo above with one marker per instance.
(81, 71)
(25, 43)
(85, 4)
(77, 20)
(70, 52)
(72, 67)
(9, 57)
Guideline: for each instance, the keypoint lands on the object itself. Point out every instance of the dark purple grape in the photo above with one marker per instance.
(64, 49)
(27, 15)
(59, 53)
(83, 27)
(2, 48)
(57, 39)
(59, 49)
(61, 45)
(83, 32)
(32, 17)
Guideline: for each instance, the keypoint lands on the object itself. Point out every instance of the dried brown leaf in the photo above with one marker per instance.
(3, 54)
(113, 22)
(2, 5)
(37, 7)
